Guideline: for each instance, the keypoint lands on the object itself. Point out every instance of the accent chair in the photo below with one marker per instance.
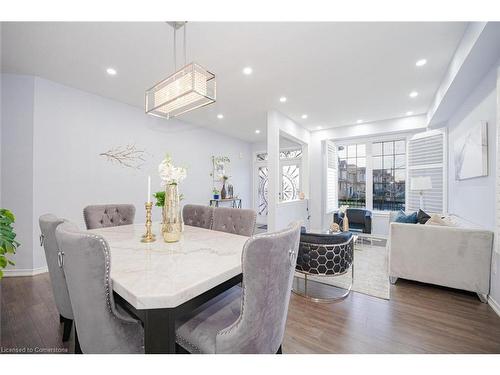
(320, 255)
(108, 215)
(198, 215)
(48, 224)
(360, 219)
(102, 326)
(251, 318)
(234, 220)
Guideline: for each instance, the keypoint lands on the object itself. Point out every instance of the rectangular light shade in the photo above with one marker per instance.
(421, 183)
(189, 88)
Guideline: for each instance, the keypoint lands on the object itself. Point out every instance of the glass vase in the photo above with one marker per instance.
(172, 222)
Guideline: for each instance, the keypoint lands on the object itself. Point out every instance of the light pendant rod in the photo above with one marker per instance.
(175, 49)
(184, 44)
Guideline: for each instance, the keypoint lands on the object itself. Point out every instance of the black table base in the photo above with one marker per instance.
(159, 324)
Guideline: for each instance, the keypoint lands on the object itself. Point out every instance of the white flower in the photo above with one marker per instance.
(169, 173)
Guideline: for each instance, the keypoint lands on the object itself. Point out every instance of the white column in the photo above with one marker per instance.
(273, 163)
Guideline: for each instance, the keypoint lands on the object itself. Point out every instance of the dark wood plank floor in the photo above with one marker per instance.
(419, 318)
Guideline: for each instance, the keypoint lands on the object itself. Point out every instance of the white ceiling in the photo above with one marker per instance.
(337, 73)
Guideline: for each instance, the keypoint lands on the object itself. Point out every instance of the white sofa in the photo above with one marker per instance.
(456, 257)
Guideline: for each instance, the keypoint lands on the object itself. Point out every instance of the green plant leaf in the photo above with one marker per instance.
(8, 244)
(160, 198)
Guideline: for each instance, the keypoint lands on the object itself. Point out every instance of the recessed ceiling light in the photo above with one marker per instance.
(421, 62)
(283, 99)
(409, 113)
(413, 94)
(257, 131)
(220, 116)
(111, 71)
(247, 70)
(304, 116)
(359, 121)
(319, 127)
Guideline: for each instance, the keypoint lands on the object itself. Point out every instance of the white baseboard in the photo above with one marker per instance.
(494, 305)
(24, 272)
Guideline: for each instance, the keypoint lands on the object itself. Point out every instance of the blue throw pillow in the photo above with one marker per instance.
(401, 217)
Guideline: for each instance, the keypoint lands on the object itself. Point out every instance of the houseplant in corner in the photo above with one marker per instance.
(171, 176)
(8, 244)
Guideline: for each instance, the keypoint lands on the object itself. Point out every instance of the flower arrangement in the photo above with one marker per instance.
(170, 174)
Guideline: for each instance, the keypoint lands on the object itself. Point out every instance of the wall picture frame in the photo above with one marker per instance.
(470, 152)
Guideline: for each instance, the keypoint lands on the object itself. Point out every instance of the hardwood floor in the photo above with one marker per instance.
(419, 318)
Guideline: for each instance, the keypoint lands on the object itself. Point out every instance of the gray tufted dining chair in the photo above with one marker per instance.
(48, 224)
(198, 215)
(102, 326)
(250, 319)
(234, 220)
(108, 215)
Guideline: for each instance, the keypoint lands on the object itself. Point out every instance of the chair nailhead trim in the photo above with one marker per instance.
(107, 279)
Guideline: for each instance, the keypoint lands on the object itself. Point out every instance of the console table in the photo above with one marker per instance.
(235, 202)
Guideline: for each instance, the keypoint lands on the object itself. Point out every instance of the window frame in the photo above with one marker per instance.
(262, 163)
(347, 168)
(368, 141)
(393, 155)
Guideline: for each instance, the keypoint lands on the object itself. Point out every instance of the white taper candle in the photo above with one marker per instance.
(149, 189)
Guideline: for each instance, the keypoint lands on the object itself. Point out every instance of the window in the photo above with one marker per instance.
(290, 165)
(389, 175)
(352, 175)
(262, 191)
(290, 182)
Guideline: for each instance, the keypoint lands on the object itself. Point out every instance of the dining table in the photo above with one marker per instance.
(159, 281)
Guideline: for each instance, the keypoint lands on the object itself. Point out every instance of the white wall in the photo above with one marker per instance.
(72, 127)
(474, 199)
(17, 161)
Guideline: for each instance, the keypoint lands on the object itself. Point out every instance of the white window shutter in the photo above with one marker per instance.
(427, 157)
(331, 174)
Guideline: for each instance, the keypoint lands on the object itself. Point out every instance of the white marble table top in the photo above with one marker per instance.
(162, 275)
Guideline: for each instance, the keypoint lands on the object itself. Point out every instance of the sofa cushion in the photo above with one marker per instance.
(437, 219)
(422, 217)
(401, 217)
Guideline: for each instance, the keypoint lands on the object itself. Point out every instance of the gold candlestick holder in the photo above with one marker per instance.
(148, 236)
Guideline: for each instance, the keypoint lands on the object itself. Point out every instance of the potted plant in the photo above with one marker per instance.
(8, 244)
(215, 192)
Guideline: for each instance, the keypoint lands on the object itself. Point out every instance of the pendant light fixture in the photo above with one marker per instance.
(188, 88)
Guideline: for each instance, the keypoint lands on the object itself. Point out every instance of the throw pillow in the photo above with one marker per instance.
(443, 221)
(401, 217)
(422, 217)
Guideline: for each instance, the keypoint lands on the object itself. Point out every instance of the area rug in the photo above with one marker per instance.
(371, 271)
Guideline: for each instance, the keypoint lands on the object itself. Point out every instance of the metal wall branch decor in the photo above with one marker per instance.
(126, 156)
